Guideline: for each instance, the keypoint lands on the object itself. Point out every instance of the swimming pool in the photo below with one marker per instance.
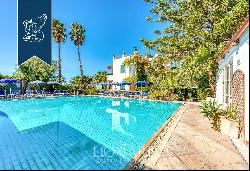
(77, 132)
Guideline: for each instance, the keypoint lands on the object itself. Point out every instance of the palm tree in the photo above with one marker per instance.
(59, 36)
(77, 35)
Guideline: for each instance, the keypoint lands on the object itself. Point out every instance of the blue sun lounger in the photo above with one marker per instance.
(107, 92)
(16, 94)
(145, 95)
(116, 93)
(47, 92)
(65, 92)
(130, 94)
(123, 93)
(137, 94)
(58, 92)
(29, 93)
(2, 94)
(39, 92)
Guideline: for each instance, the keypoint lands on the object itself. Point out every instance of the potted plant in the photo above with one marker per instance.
(188, 96)
(231, 122)
(212, 111)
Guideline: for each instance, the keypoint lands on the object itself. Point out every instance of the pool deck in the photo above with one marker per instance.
(193, 144)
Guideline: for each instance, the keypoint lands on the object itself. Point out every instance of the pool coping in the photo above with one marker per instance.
(136, 163)
(111, 97)
(127, 98)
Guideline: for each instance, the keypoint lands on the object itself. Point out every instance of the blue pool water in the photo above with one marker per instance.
(77, 132)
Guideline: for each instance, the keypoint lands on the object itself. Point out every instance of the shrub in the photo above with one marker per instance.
(212, 111)
(204, 93)
(155, 95)
(186, 93)
(91, 90)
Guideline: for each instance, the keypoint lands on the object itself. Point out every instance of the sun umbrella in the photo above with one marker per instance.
(53, 83)
(125, 83)
(142, 83)
(9, 81)
(37, 82)
(116, 83)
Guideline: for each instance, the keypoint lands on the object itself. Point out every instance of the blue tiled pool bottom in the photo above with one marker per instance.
(51, 146)
(76, 132)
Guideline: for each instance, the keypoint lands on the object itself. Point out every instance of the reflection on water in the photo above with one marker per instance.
(126, 104)
(116, 120)
(116, 103)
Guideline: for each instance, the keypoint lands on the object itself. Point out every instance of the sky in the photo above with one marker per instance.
(112, 26)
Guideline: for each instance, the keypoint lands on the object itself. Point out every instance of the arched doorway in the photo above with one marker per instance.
(238, 98)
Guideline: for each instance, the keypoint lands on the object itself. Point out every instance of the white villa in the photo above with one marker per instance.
(120, 71)
(233, 76)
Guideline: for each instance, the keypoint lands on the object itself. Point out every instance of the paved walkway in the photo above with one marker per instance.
(195, 145)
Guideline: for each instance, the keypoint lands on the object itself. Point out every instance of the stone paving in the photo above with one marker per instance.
(195, 145)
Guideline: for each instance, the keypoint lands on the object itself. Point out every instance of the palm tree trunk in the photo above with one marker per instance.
(80, 63)
(59, 63)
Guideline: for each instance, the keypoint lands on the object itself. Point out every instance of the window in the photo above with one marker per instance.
(123, 69)
(227, 84)
(123, 87)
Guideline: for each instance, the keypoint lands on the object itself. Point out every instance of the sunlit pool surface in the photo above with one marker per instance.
(77, 132)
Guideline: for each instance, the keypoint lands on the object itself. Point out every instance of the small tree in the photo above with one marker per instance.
(140, 63)
(34, 69)
(79, 83)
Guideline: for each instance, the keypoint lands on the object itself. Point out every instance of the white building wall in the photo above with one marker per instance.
(240, 56)
(117, 75)
(219, 87)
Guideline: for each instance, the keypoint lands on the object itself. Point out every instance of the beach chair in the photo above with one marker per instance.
(2, 94)
(65, 92)
(100, 92)
(58, 92)
(39, 93)
(29, 93)
(137, 94)
(145, 95)
(47, 92)
(123, 93)
(116, 93)
(130, 94)
(107, 92)
(17, 94)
